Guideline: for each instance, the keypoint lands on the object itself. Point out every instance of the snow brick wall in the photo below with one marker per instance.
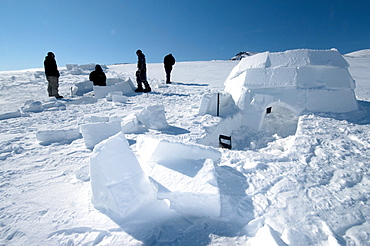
(298, 80)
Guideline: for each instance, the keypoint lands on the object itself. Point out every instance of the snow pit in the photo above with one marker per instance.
(119, 186)
(46, 137)
(94, 133)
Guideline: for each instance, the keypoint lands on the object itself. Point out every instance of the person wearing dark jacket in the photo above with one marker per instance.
(98, 76)
(168, 61)
(141, 73)
(52, 75)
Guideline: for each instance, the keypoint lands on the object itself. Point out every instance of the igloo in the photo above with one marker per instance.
(291, 82)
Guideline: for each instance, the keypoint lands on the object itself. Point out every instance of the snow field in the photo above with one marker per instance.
(307, 186)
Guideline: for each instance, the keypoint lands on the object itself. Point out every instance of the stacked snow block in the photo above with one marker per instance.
(119, 185)
(299, 80)
(185, 175)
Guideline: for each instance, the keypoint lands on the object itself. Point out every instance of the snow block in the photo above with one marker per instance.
(94, 133)
(226, 105)
(335, 101)
(46, 137)
(112, 81)
(155, 150)
(10, 115)
(119, 186)
(197, 196)
(324, 78)
(81, 88)
(153, 117)
(131, 124)
(266, 236)
(127, 87)
(32, 106)
(110, 94)
(103, 91)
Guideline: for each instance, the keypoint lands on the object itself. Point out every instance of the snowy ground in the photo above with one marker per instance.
(310, 188)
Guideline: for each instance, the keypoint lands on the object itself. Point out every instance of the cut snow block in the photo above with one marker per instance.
(94, 133)
(112, 81)
(103, 91)
(198, 196)
(218, 104)
(46, 137)
(131, 124)
(32, 106)
(335, 101)
(119, 186)
(10, 115)
(110, 94)
(153, 117)
(82, 87)
(266, 236)
(154, 150)
(126, 87)
(119, 99)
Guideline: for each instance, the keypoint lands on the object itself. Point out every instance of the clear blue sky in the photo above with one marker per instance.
(110, 31)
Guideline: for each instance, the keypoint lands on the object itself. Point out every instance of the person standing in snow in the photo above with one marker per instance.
(168, 61)
(52, 75)
(98, 76)
(141, 73)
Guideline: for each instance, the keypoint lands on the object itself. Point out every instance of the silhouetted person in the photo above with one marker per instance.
(52, 75)
(98, 76)
(168, 61)
(141, 73)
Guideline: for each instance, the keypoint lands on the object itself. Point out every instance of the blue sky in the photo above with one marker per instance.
(110, 31)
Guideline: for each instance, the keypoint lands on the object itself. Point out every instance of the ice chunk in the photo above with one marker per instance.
(119, 186)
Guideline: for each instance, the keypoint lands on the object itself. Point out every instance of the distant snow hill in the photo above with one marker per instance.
(359, 53)
(242, 55)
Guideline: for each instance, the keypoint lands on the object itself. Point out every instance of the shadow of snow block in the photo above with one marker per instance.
(94, 133)
(190, 196)
(46, 137)
(119, 185)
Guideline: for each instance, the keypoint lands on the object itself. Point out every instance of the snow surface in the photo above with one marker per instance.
(303, 184)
